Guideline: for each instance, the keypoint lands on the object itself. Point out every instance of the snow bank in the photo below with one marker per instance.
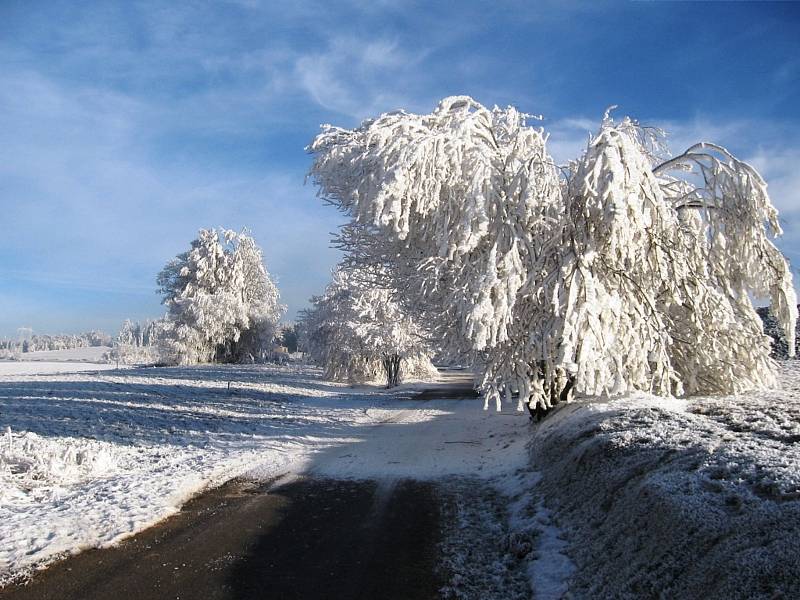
(696, 498)
(30, 464)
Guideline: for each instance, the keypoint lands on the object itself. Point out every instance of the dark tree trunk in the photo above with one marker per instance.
(539, 412)
(391, 365)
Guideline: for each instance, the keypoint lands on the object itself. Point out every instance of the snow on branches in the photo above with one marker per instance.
(222, 303)
(621, 272)
(357, 332)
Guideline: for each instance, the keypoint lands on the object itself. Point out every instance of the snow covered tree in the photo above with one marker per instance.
(626, 270)
(144, 344)
(357, 331)
(39, 342)
(127, 334)
(151, 331)
(222, 303)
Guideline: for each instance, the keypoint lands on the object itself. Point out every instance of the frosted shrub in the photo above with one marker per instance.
(357, 332)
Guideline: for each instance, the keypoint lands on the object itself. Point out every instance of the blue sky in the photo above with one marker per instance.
(126, 127)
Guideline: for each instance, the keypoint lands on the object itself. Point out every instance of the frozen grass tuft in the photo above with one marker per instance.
(30, 462)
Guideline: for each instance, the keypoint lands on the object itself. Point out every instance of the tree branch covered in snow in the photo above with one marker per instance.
(622, 272)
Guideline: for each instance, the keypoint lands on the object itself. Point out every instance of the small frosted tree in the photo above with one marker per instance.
(626, 270)
(357, 331)
(127, 334)
(222, 303)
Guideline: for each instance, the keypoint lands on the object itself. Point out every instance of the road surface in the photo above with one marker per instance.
(311, 538)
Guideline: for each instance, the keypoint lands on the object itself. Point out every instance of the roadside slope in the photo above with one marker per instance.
(680, 499)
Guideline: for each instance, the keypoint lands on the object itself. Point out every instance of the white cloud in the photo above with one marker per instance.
(358, 78)
(780, 168)
(568, 137)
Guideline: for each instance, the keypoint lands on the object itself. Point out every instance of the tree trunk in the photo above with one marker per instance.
(539, 412)
(391, 365)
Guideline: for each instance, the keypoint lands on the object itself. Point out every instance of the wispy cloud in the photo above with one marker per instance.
(90, 202)
(359, 78)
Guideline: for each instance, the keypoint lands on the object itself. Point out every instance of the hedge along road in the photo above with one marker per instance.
(321, 535)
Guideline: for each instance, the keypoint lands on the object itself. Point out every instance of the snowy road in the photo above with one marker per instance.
(90, 459)
(311, 538)
(443, 434)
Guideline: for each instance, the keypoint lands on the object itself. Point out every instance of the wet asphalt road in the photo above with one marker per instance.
(311, 538)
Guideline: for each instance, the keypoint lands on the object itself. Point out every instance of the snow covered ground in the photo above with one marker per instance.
(71, 360)
(89, 458)
(634, 497)
(41, 368)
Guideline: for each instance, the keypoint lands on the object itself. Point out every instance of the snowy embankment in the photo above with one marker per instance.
(678, 499)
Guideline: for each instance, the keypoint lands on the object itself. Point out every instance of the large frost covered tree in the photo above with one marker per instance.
(356, 332)
(625, 270)
(222, 303)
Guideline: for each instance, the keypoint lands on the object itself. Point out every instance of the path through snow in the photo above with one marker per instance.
(91, 458)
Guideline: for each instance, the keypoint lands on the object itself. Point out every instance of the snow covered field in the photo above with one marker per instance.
(91, 354)
(89, 458)
(41, 368)
(71, 360)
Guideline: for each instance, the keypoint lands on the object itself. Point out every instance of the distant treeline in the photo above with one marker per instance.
(134, 333)
(39, 342)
